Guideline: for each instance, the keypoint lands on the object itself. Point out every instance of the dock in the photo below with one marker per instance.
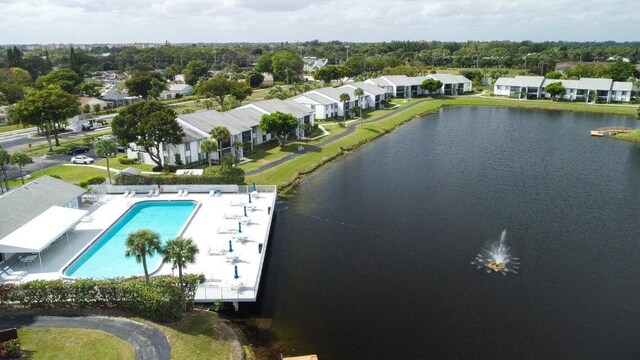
(610, 131)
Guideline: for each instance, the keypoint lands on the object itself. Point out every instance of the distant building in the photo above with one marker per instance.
(93, 101)
(175, 89)
(313, 63)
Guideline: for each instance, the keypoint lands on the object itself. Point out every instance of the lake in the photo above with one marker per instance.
(371, 257)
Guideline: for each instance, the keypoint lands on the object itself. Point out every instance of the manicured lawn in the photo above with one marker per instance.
(50, 344)
(115, 164)
(72, 174)
(7, 128)
(195, 338)
(631, 136)
(65, 145)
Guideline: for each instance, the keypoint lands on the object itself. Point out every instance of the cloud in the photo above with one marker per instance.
(87, 21)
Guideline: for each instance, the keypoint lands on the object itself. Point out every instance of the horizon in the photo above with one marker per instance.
(357, 21)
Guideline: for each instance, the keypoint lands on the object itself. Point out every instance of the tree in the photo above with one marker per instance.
(47, 109)
(180, 252)
(328, 73)
(141, 243)
(14, 56)
(621, 71)
(553, 75)
(194, 71)
(157, 87)
(279, 124)
(556, 90)
(64, 78)
(148, 124)
(106, 148)
(15, 76)
(360, 94)
(241, 91)
(11, 93)
(220, 134)
(255, 79)
(74, 63)
(5, 160)
(86, 108)
(90, 89)
(140, 83)
(638, 114)
(264, 63)
(207, 146)
(229, 160)
(431, 85)
(286, 66)
(218, 88)
(21, 159)
(96, 108)
(344, 99)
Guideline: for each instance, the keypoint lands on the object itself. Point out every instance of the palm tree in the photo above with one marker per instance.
(220, 134)
(207, 146)
(5, 159)
(344, 98)
(106, 148)
(21, 159)
(360, 94)
(141, 243)
(180, 252)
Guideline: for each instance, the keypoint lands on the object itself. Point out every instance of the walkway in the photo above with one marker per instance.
(105, 168)
(148, 342)
(349, 130)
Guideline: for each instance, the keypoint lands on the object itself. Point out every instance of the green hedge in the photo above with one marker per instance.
(124, 160)
(210, 177)
(160, 301)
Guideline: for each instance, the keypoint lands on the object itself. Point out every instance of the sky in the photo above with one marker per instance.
(191, 21)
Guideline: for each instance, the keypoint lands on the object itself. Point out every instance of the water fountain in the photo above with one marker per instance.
(495, 257)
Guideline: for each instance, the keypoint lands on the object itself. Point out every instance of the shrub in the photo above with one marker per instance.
(212, 175)
(55, 176)
(124, 160)
(10, 349)
(160, 301)
(96, 180)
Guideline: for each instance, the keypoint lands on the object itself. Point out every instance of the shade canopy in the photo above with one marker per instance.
(40, 232)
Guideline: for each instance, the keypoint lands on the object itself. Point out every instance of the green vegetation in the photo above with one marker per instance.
(49, 344)
(119, 166)
(7, 128)
(197, 337)
(161, 300)
(74, 174)
(630, 136)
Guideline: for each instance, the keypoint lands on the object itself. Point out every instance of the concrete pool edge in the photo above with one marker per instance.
(62, 272)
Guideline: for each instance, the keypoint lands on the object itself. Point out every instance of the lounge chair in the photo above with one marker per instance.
(156, 192)
(126, 194)
(212, 192)
(9, 271)
(185, 192)
(132, 193)
(9, 278)
(218, 192)
(179, 192)
(150, 194)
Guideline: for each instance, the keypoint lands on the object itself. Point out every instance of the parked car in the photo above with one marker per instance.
(78, 150)
(108, 137)
(81, 159)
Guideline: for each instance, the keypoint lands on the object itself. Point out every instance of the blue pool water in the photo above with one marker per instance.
(105, 258)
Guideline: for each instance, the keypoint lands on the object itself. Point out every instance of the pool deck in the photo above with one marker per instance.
(214, 224)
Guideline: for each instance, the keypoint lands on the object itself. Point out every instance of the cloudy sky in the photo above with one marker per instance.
(91, 21)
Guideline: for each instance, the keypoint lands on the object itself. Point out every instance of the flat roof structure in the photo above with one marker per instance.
(218, 226)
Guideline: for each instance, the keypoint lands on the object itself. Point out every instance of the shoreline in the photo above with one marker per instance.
(368, 132)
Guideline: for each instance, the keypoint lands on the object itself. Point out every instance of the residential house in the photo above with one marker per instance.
(520, 87)
(374, 96)
(111, 93)
(243, 124)
(175, 89)
(325, 102)
(312, 63)
(452, 84)
(93, 101)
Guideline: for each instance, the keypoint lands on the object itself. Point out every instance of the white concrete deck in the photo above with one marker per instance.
(211, 228)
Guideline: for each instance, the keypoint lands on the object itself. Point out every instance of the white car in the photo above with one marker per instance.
(81, 159)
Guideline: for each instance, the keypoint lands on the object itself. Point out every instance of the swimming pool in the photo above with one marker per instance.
(105, 257)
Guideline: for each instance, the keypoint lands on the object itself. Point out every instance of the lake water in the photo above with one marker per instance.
(371, 258)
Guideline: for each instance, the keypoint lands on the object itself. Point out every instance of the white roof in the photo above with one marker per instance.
(522, 81)
(180, 87)
(595, 84)
(366, 87)
(450, 78)
(622, 86)
(38, 233)
(568, 84)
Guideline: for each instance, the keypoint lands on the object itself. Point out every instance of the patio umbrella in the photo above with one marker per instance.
(230, 247)
(249, 198)
(245, 211)
(240, 227)
(254, 187)
(235, 275)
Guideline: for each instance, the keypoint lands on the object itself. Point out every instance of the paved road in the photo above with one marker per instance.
(349, 130)
(148, 342)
